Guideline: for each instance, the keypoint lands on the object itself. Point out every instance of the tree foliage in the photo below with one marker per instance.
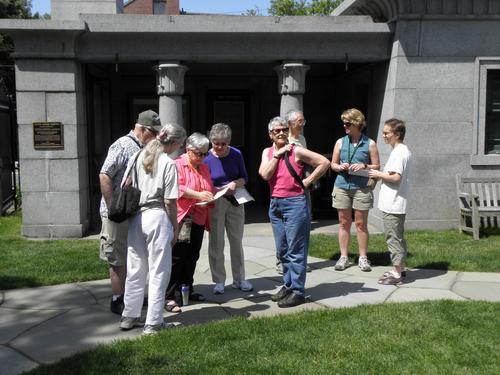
(10, 9)
(302, 7)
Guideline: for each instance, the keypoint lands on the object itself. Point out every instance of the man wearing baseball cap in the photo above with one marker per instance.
(113, 237)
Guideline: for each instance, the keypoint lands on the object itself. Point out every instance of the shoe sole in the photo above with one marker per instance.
(128, 328)
(397, 283)
(292, 304)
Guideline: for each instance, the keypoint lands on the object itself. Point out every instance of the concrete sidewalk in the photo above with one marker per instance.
(42, 325)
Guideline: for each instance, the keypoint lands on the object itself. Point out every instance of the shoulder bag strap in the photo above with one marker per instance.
(133, 167)
(292, 171)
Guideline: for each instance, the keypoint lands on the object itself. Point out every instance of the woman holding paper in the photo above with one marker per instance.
(195, 187)
(229, 174)
(352, 157)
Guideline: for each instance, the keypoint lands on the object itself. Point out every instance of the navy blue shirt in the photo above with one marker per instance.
(226, 169)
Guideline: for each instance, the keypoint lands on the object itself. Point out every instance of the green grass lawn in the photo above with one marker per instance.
(446, 250)
(29, 263)
(444, 337)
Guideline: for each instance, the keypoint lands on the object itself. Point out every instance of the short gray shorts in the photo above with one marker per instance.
(113, 242)
(359, 199)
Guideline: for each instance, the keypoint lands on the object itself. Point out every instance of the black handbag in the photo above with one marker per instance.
(125, 200)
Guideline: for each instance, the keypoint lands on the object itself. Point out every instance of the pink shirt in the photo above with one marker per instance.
(198, 180)
(282, 184)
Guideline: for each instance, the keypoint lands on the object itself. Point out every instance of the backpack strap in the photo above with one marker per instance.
(135, 140)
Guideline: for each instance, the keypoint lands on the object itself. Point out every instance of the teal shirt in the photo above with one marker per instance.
(361, 156)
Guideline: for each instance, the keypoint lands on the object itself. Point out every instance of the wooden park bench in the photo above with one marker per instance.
(479, 203)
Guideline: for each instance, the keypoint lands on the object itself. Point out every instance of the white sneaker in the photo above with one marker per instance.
(364, 264)
(219, 288)
(244, 285)
(127, 323)
(154, 329)
(342, 263)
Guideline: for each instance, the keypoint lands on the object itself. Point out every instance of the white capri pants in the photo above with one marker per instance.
(149, 235)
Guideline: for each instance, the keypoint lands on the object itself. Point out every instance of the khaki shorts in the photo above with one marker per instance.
(359, 199)
(113, 242)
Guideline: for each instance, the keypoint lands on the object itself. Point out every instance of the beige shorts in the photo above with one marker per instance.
(113, 242)
(359, 199)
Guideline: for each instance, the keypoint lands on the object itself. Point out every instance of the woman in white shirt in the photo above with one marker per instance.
(153, 230)
(393, 196)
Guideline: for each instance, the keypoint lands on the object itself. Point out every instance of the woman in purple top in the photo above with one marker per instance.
(227, 169)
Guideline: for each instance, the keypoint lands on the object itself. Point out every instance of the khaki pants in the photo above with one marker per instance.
(113, 242)
(226, 216)
(394, 228)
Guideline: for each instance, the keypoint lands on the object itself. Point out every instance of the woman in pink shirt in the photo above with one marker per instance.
(195, 186)
(288, 209)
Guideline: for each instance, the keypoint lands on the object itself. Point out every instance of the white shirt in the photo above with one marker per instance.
(301, 141)
(159, 185)
(393, 197)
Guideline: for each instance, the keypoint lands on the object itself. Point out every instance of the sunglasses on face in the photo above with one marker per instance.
(219, 144)
(199, 154)
(279, 130)
(348, 124)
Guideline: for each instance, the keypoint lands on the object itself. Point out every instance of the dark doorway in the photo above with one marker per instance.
(232, 108)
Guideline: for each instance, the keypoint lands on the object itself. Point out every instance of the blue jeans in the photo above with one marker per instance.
(291, 222)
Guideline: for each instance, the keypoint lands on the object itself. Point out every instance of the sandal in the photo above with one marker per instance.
(173, 307)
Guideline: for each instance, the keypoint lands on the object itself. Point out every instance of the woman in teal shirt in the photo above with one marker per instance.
(352, 157)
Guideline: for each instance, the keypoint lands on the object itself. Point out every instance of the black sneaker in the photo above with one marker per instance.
(117, 306)
(292, 299)
(282, 293)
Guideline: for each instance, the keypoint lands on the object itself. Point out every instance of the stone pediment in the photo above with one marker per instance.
(388, 10)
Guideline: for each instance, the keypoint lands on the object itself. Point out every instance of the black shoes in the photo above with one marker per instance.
(282, 293)
(117, 305)
(292, 299)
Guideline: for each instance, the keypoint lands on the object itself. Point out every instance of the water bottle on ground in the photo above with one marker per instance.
(185, 294)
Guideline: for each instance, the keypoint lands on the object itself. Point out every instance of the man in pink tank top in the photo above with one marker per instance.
(288, 209)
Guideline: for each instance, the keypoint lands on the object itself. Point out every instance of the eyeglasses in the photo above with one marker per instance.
(199, 154)
(150, 129)
(279, 130)
(348, 124)
(301, 121)
(219, 144)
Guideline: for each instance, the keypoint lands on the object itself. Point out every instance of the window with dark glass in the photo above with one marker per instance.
(159, 6)
(492, 129)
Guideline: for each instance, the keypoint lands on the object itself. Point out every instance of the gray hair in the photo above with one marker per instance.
(276, 121)
(171, 133)
(197, 141)
(292, 115)
(220, 131)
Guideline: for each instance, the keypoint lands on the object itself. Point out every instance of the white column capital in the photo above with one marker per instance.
(292, 77)
(170, 78)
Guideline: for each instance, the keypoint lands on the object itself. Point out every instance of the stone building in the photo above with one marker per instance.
(434, 63)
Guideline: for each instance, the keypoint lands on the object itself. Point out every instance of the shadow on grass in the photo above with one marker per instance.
(15, 282)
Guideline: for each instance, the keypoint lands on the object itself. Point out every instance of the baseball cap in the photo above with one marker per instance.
(149, 119)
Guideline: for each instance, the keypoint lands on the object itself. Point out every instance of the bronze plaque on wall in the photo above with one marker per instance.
(48, 136)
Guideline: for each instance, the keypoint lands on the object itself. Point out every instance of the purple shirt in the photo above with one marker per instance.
(226, 169)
